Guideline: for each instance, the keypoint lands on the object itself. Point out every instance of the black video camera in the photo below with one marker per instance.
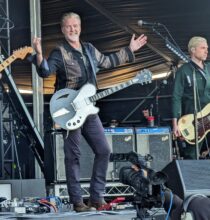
(146, 182)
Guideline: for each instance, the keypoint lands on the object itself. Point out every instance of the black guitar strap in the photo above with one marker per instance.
(203, 73)
(93, 66)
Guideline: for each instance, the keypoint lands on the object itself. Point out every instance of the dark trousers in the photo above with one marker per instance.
(93, 132)
(188, 151)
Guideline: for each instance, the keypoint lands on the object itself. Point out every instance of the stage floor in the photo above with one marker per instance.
(158, 214)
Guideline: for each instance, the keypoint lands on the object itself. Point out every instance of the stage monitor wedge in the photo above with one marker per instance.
(187, 177)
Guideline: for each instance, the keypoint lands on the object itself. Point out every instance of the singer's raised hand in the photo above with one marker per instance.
(37, 45)
(136, 44)
(38, 48)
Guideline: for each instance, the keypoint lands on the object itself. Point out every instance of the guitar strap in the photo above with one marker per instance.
(196, 67)
(93, 66)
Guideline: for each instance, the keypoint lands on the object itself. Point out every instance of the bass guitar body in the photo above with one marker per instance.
(187, 128)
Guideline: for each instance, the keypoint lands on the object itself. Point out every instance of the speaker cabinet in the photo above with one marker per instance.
(59, 170)
(121, 140)
(187, 177)
(156, 142)
(86, 161)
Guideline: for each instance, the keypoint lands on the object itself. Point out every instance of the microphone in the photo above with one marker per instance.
(145, 23)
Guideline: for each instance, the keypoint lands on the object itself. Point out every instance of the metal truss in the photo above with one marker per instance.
(112, 189)
(10, 132)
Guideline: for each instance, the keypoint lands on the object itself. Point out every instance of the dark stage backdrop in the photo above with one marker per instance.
(126, 106)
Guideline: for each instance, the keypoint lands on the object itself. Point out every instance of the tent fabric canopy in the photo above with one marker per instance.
(109, 25)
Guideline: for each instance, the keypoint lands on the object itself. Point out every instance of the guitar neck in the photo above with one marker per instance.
(7, 62)
(110, 91)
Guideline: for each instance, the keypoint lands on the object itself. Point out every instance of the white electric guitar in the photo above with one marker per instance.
(69, 108)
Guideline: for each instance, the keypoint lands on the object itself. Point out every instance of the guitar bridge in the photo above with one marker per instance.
(74, 106)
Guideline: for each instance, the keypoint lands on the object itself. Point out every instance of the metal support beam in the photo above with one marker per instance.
(37, 82)
(5, 7)
(1, 136)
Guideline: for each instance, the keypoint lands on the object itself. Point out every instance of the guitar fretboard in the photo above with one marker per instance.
(110, 91)
(7, 62)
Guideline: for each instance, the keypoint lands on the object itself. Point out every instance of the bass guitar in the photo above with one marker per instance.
(69, 108)
(187, 128)
(17, 54)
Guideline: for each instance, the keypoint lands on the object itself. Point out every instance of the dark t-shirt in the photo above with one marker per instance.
(198, 206)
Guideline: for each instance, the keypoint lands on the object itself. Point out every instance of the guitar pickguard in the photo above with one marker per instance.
(187, 128)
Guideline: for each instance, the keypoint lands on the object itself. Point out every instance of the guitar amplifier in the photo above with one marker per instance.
(86, 160)
(54, 157)
(121, 140)
(157, 142)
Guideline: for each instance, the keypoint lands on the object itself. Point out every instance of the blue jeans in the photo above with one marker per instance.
(93, 132)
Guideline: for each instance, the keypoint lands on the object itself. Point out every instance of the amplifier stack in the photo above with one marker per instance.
(143, 140)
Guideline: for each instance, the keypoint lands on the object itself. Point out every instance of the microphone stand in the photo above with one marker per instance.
(157, 103)
(176, 50)
(195, 115)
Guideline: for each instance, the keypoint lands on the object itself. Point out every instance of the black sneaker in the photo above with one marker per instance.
(81, 207)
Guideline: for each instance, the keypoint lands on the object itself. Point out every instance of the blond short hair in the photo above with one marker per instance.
(194, 41)
(69, 15)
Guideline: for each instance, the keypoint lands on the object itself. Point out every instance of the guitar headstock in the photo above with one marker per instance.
(22, 52)
(144, 76)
